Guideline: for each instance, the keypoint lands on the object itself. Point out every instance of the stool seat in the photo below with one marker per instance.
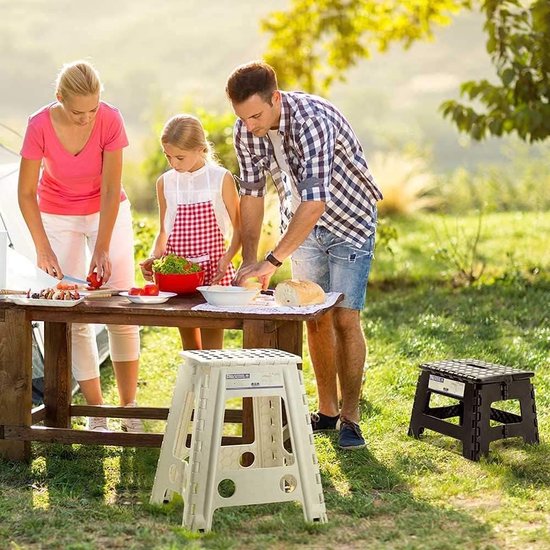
(279, 465)
(474, 370)
(476, 385)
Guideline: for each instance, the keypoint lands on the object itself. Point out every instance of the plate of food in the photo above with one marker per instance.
(50, 302)
(159, 298)
(51, 297)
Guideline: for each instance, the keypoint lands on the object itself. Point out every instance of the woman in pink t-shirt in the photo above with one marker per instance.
(77, 203)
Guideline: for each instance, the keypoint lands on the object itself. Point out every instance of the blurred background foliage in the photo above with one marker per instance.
(392, 99)
(329, 37)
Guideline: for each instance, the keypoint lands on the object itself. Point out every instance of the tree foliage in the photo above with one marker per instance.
(316, 42)
(519, 45)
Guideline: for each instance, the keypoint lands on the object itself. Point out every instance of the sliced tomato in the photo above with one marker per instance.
(136, 291)
(151, 290)
(66, 286)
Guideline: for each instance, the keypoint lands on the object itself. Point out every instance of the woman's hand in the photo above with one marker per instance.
(147, 268)
(46, 260)
(221, 269)
(101, 264)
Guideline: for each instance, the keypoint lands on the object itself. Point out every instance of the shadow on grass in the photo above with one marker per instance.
(481, 320)
(90, 499)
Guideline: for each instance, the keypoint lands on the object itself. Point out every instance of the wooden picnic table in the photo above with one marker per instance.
(18, 418)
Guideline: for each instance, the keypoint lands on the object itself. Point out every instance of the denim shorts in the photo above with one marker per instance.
(336, 265)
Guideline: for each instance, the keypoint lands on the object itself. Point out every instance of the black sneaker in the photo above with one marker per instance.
(321, 422)
(350, 435)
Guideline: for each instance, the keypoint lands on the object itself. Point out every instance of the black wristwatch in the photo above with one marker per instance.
(272, 260)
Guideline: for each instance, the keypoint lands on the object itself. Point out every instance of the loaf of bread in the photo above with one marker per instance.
(299, 293)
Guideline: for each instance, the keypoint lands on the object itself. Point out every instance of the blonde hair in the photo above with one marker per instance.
(77, 78)
(186, 132)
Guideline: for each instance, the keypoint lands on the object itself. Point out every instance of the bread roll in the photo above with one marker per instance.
(250, 284)
(299, 293)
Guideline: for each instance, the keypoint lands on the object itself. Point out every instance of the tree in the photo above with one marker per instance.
(519, 46)
(317, 41)
(314, 43)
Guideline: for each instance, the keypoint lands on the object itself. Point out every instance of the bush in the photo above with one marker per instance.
(406, 183)
(519, 185)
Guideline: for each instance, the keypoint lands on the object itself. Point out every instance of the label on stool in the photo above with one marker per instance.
(445, 385)
(253, 380)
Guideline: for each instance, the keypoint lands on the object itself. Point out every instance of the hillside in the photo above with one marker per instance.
(152, 55)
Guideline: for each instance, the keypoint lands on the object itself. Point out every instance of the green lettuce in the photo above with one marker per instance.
(171, 264)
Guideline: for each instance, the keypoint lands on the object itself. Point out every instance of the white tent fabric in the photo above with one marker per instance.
(21, 270)
(22, 274)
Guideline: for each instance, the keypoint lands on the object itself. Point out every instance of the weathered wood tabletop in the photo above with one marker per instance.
(18, 418)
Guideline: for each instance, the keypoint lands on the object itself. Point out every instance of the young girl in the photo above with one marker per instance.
(198, 204)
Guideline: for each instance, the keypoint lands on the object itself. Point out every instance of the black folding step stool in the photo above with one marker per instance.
(476, 385)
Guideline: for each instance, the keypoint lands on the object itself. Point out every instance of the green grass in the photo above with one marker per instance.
(400, 493)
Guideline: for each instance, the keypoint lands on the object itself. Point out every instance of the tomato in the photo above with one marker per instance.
(151, 290)
(66, 286)
(136, 291)
(93, 280)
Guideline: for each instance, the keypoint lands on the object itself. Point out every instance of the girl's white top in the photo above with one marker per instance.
(205, 184)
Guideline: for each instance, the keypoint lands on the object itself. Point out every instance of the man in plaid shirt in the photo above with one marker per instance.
(328, 223)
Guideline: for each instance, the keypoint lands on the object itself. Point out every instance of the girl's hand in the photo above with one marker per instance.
(221, 269)
(47, 261)
(101, 264)
(147, 268)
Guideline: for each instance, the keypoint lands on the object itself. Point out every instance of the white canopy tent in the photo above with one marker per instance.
(21, 270)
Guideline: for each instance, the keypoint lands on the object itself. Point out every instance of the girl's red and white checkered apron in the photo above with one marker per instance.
(197, 236)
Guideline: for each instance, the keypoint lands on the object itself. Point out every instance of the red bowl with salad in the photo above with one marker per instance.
(174, 273)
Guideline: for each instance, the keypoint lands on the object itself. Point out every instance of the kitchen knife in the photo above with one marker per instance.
(74, 279)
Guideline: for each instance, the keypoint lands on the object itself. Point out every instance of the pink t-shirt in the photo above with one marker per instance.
(71, 184)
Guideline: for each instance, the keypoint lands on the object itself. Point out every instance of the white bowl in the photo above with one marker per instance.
(223, 296)
(160, 299)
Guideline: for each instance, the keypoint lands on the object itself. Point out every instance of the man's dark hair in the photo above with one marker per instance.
(252, 78)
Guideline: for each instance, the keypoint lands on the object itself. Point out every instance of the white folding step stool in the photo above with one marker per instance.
(203, 472)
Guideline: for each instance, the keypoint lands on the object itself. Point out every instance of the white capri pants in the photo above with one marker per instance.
(70, 237)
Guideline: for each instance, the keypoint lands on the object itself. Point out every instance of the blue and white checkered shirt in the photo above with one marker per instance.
(326, 162)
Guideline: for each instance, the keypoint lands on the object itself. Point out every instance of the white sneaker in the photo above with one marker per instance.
(132, 425)
(97, 424)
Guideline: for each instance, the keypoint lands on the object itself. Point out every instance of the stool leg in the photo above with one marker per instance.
(528, 411)
(471, 423)
(488, 394)
(169, 476)
(420, 405)
(205, 447)
(267, 413)
(303, 446)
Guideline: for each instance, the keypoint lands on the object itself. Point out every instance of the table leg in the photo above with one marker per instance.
(15, 380)
(57, 374)
(283, 335)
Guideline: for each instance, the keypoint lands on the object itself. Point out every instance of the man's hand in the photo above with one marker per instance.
(262, 270)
